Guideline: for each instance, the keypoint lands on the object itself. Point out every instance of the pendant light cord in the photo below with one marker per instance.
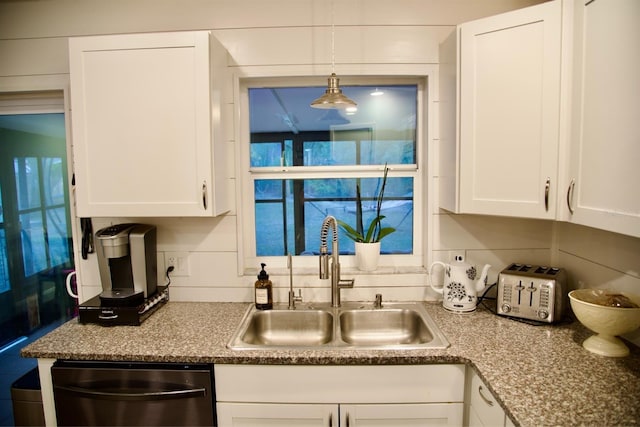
(333, 41)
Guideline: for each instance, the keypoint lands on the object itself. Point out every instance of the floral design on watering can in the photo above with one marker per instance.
(456, 291)
(471, 273)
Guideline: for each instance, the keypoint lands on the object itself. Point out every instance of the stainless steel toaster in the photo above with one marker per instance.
(532, 292)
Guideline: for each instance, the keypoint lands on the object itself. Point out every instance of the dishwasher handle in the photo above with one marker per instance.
(118, 395)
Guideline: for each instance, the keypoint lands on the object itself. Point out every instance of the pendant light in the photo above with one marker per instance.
(333, 97)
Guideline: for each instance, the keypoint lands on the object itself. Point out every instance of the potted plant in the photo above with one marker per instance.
(367, 240)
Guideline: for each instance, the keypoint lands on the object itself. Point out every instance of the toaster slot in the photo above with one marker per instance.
(520, 288)
(531, 289)
(519, 267)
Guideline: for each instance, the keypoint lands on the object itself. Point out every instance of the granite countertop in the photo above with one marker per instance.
(541, 375)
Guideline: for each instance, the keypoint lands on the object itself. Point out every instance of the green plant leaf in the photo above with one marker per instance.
(371, 236)
(351, 232)
(385, 232)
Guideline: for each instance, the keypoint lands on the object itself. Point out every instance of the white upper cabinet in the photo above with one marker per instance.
(500, 114)
(146, 128)
(605, 144)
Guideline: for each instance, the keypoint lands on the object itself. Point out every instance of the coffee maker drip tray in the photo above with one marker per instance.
(121, 298)
(103, 309)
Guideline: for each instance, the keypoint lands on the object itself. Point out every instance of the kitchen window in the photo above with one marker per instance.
(301, 164)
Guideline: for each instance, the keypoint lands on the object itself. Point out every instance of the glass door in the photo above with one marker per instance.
(35, 231)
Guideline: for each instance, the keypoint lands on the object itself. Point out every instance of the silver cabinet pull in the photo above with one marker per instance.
(204, 195)
(570, 195)
(546, 194)
(486, 400)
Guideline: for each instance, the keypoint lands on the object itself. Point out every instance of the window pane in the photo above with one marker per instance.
(57, 236)
(270, 236)
(269, 189)
(266, 154)
(53, 181)
(27, 182)
(277, 231)
(382, 130)
(34, 252)
(329, 153)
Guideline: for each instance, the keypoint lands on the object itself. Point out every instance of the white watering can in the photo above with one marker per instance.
(461, 284)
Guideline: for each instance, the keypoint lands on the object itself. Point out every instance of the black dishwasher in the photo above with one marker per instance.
(133, 394)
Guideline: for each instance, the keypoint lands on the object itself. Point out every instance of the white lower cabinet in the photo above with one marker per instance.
(482, 409)
(276, 414)
(298, 415)
(408, 395)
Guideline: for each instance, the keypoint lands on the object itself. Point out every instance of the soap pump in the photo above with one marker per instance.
(264, 290)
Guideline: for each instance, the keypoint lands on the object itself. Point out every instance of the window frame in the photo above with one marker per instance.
(246, 175)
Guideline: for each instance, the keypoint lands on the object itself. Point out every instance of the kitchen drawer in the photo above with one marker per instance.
(483, 406)
(331, 384)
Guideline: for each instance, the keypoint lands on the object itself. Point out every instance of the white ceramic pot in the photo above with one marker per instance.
(367, 255)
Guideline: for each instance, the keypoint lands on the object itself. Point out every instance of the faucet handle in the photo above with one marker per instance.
(346, 283)
(378, 301)
(293, 299)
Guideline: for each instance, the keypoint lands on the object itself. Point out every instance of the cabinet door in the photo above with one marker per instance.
(509, 91)
(142, 124)
(484, 409)
(393, 415)
(280, 414)
(605, 143)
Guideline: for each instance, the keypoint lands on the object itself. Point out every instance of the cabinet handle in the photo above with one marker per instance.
(204, 195)
(348, 420)
(486, 400)
(330, 420)
(570, 195)
(546, 194)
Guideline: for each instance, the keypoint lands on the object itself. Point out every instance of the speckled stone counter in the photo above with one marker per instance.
(540, 374)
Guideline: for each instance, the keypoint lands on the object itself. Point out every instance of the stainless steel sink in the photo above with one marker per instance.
(354, 325)
(288, 328)
(394, 326)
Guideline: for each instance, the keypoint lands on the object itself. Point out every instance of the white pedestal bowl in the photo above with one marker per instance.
(607, 321)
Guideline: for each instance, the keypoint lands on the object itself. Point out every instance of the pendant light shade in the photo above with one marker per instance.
(333, 96)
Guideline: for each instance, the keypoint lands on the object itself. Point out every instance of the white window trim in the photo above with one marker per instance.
(414, 263)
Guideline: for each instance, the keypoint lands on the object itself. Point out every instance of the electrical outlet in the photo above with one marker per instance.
(179, 261)
(457, 255)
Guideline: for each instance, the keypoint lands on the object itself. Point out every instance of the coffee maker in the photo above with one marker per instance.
(127, 262)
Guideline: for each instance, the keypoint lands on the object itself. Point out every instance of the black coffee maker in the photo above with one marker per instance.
(128, 271)
(128, 264)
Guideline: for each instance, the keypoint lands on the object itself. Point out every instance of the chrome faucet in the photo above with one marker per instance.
(336, 283)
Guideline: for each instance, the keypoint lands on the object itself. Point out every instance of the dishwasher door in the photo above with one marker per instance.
(133, 394)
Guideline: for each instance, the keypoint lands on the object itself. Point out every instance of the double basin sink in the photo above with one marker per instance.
(353, 325)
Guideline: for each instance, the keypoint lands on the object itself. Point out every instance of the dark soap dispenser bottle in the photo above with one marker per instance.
(264, 291)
